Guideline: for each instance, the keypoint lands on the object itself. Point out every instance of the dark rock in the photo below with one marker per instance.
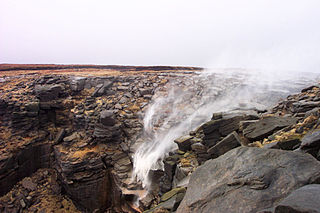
(216, 116)
(28, 184)
(71, 137)
(284, 145)
(102, 89)
(245, 124)
(227, 124)
(257, 177)
(300, 130)
(304, 106)
(311, 140)
(48, 92)
(265, 127)
(309, 88)
(184, 142)
(60, 136)
(302, 200)
(33, 107)
(85, 180)
(310, 143)
(199, 148)
(23, 163)
(179, 175)
(230, 142)
(146, 91)
(107, 118)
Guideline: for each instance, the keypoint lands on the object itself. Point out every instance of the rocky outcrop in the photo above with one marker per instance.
(248, 180)
(84, 177)
(26, 161)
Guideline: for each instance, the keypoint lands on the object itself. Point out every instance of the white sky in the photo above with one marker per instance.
(215, 33)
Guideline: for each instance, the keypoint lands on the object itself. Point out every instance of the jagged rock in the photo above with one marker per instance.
(227, 124)
(265, 127)
(48, 92)
(230, 142)
(249, 175)
(184, 142)
(222, 126)
(107, 118)
(60, 136)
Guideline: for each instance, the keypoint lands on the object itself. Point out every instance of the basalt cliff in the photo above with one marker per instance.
(69, 136)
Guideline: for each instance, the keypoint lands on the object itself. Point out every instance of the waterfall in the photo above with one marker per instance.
(190, 101)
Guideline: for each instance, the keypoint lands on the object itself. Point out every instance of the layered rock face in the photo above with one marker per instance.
(82, 127)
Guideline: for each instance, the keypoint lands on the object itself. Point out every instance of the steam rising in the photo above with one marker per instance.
(191, 101)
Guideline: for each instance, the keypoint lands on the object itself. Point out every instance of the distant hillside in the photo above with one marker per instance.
(14, 67)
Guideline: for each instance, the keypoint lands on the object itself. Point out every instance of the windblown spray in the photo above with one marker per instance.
(190, 101)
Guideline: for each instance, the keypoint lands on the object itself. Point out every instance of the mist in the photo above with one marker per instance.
(264, 34)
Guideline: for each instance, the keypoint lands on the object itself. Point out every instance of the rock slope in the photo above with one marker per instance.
(250, 161)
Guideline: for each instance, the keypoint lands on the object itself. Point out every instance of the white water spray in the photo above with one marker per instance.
(191, 101)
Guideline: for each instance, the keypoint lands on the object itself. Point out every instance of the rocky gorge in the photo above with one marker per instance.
(69, 142)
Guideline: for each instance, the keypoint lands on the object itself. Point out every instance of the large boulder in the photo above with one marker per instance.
(248, 180)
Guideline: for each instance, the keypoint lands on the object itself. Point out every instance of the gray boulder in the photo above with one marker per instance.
(248, 180)
(48, 92)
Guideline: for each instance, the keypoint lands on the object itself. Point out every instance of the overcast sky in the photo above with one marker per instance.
(215, 33)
